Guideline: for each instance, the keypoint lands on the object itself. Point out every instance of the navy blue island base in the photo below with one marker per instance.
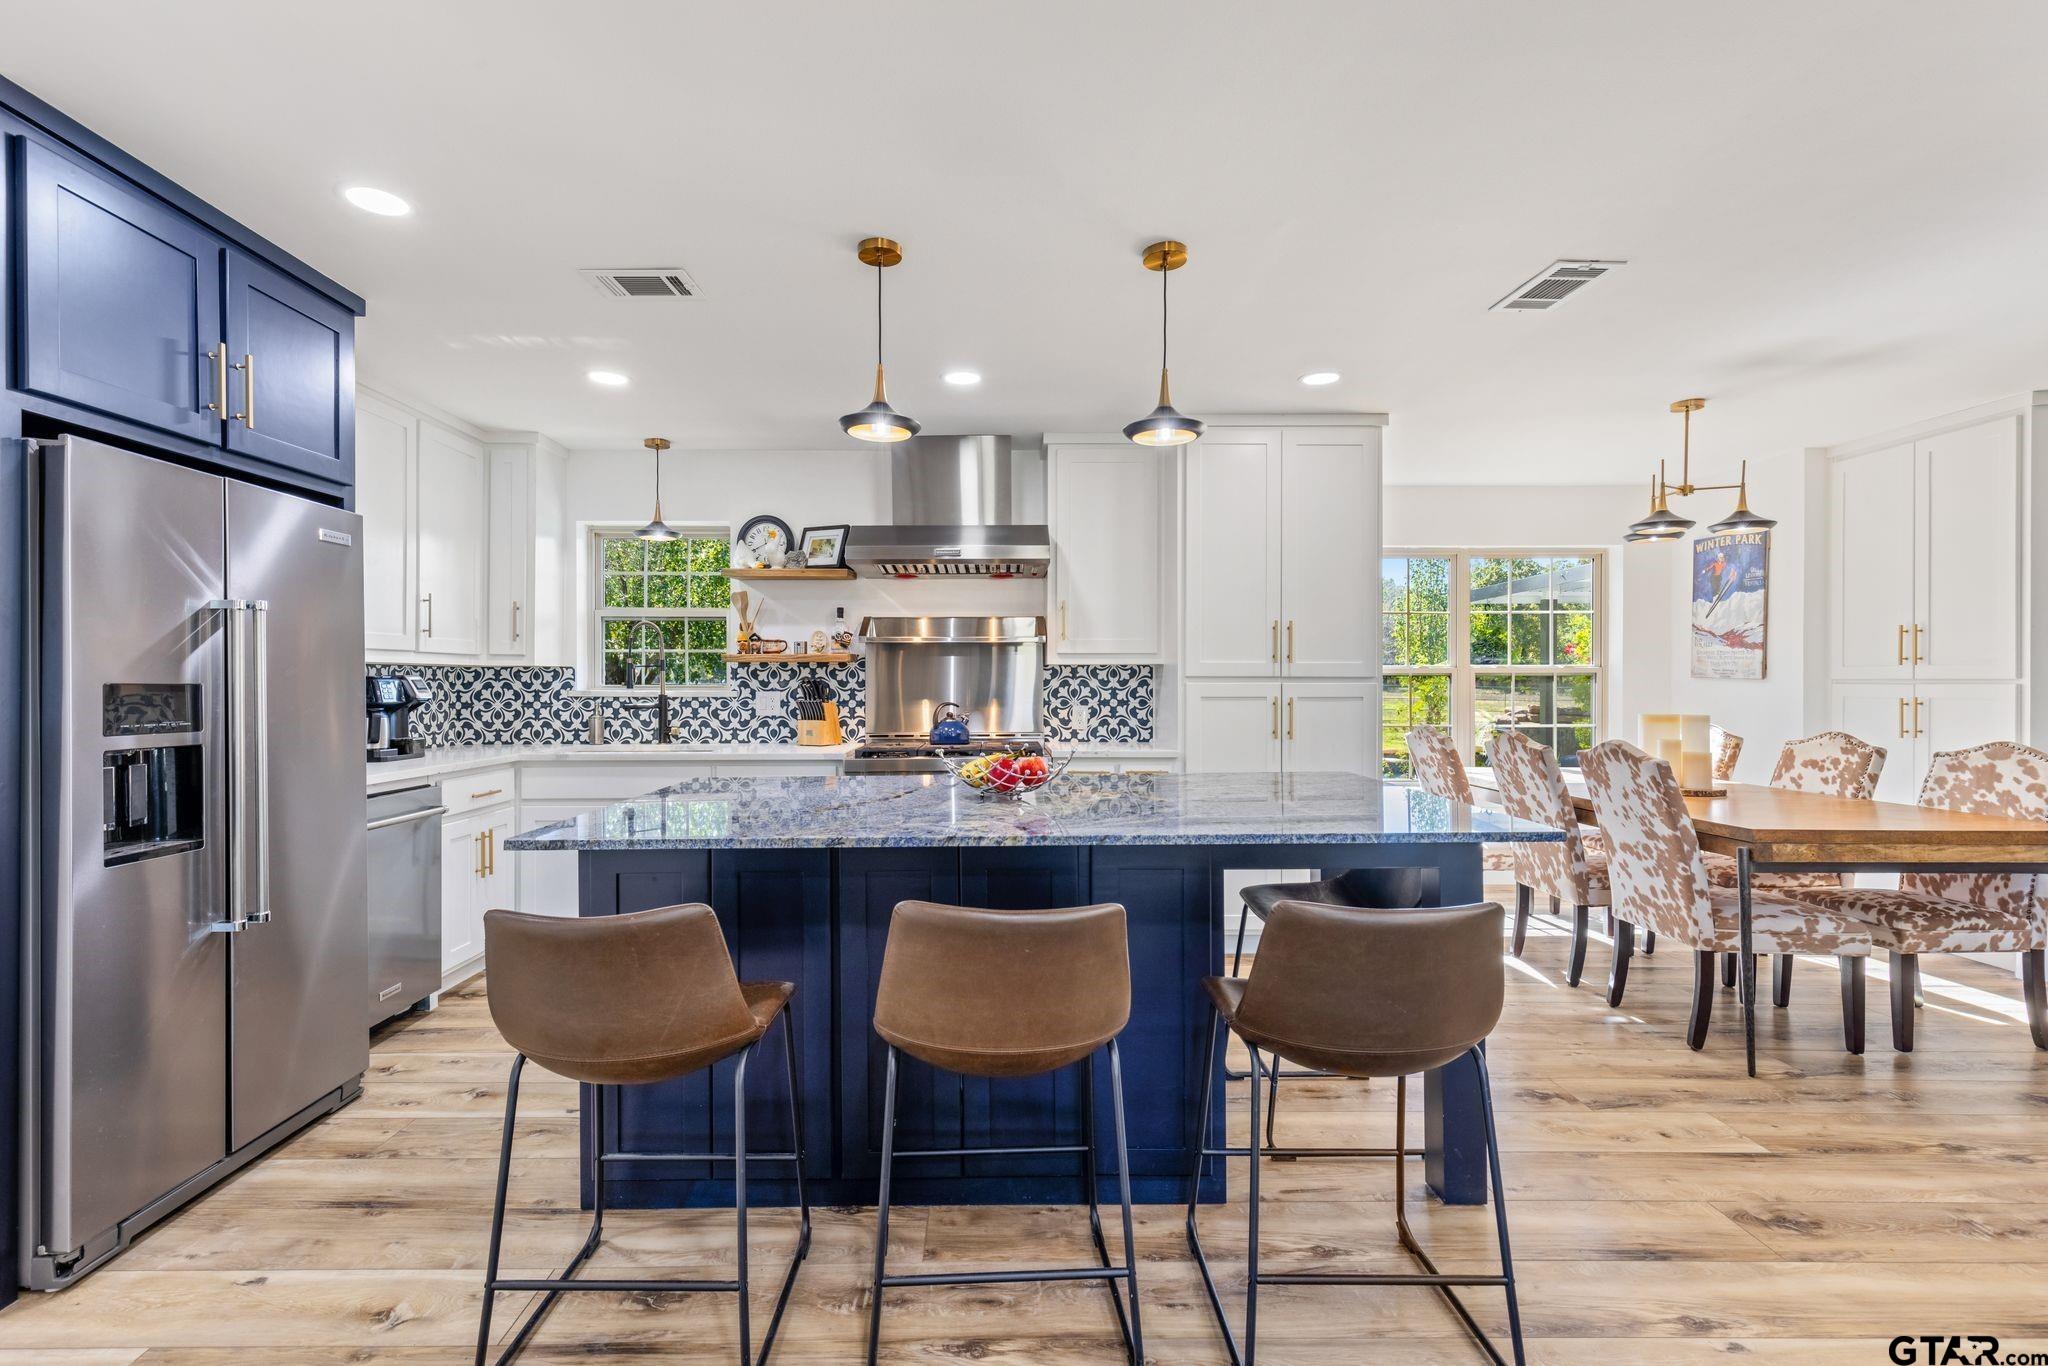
(805, 872)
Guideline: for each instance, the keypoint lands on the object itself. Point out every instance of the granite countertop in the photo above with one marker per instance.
(909, 810)
(444, 761)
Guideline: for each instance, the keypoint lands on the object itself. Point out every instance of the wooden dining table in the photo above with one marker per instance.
(1772, 830)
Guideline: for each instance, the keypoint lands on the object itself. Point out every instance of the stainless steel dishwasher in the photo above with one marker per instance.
(405, 899)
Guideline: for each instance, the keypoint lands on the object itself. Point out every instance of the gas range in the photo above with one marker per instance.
(916, 754)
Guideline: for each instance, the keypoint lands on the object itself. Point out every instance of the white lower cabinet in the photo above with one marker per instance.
(476, 876)
(1913, 721)
(1296, 727)
(1330, 727)
(1233, 727)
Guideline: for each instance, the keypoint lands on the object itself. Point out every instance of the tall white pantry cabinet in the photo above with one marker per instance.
(1282, 538)
(1927, 591)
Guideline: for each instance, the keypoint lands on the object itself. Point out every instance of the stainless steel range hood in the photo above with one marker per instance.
(953, 500)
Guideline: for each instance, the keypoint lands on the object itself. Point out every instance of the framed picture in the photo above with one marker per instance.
(1731, 599)
(824, 547)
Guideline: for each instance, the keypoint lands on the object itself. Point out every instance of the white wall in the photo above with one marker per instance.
(1640, 578)
(803, 488)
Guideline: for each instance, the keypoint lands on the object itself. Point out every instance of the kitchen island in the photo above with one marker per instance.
(805, 872)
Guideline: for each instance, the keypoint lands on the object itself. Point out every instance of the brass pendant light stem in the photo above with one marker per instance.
(881, 396)
(1165, 398)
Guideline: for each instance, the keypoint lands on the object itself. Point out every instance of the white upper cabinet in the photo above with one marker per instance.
(451, 541)
(1108, 588)
(1966, 603)
(386, 477)
(1283, 547)
(1233, 540)
(1330, 552)
(1870, 574)
(508, 571)
(1923, 573)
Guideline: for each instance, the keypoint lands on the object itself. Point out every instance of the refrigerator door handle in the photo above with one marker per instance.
(232, 611)
(259, 814)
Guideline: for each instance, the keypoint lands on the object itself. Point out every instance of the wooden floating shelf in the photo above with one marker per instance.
(829, 657)
(751, 575)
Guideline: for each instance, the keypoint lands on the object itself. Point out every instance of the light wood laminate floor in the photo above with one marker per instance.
(1666, 1209)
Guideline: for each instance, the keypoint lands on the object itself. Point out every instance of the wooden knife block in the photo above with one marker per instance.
(822, 732)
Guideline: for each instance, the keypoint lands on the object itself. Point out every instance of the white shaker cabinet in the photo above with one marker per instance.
(1966, 604)
(1870, 569)
(1914, 721)
(451, 541)
(1233, 557)
(1330, 552)
(1108, 503)
(1233, 727)
(1330, 727)
(508, 559)
(462, 870)
(387, 473)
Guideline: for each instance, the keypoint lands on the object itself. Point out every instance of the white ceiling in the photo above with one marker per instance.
(1832, 212)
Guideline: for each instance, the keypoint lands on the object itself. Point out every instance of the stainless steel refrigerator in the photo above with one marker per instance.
(195, 965)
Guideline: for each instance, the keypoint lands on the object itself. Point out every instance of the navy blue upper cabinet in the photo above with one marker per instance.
(292, 387)
(119, 302)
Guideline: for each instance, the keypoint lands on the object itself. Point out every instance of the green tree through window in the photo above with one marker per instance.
(681, 589)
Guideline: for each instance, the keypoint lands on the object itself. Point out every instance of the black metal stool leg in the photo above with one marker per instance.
(739, 1200)
(1244, 913)
(1123, 1183)
(1090, 1177)
(882, 1207)
(483, 1332)
(803, 1200)
(1211, 1064)
(1251, 1252)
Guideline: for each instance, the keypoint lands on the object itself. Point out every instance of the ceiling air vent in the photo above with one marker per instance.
(643, 282)
(1554, 284)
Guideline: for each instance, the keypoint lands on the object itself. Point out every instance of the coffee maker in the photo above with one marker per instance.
(390, 701)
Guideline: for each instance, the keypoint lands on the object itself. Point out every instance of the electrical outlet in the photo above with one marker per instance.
(1084, 716)
(768, 702)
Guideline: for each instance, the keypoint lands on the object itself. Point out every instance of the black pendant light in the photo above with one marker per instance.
(878, 421)
(1164, 426)
(1742, 519)
(1661, 523)
(657, 530)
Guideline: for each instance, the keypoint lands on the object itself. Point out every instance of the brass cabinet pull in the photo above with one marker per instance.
(219, 406)
(490, 853)
(247, 417)
(428, 628)
(1902, 644)
(1276, 718)
(1290, 718)
(488, 792)
(1063, 618)
(1276, 640)
(1902, 720)
(1917, 629)
(479, 838)
(1290, 640)
(1917, 732)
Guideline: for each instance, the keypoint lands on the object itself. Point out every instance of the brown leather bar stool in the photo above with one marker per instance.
(624, 1000)
(1354, 889)
(1362, 993)
(1009, 994)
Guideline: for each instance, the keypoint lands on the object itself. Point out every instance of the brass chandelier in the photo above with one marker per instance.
(1662, 524)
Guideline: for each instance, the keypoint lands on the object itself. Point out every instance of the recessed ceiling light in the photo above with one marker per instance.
(380, 202)
(962, 378)
(1320, 377)
(610, 379)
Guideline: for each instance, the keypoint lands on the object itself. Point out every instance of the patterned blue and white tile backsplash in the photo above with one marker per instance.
(529, 704)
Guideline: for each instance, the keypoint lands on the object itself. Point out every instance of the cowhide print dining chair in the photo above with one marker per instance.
(1433, 757)
(1532, 789)
(1727, 748)
(1964, 912)
(1833, 763)
(1657, 882)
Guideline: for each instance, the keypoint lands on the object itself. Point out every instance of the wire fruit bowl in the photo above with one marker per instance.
(1007, 774)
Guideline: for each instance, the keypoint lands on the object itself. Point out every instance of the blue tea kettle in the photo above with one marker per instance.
(949, 724)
